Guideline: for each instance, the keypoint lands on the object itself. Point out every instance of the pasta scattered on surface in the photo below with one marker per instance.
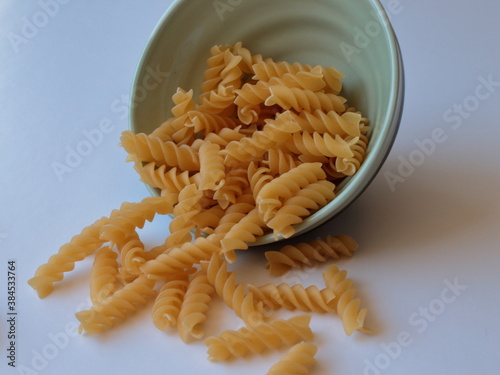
(264, 146)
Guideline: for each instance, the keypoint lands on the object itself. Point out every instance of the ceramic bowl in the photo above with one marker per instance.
(356, 37)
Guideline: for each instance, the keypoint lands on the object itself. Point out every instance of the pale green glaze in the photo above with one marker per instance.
(309, 31)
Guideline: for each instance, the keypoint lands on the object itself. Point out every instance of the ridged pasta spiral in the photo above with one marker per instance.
(317, 144)
(258, 178)
(346, 303)
(135, 216)
(235, 212)
(77, 249)
(144, 148)
(248, 148)
(225, 136)
(279, 162)
(296, 361)
(218, 102)
(311, 80)
(249, 100)
(132, 254)
(330, 122)
(268, 69)
(209, 123)
(182, 257)
(232, 293)
(258, 338)
(181, 224)
(236, 182)
(162, 177)
(295, 297)
(304, 100)
(212, 168)
(274, 193)
(247, 59)
(208, 218)
(183, 103)
(215, 64)
(104, 274)
(116, 307)
(194, 307)
(168, 302)
(349, 166)
(242, 234)
(296, 208)
(309, 253)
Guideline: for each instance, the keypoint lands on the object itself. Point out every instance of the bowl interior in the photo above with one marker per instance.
(353, 36)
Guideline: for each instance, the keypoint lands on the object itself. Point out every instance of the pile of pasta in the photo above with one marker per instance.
(260, 149)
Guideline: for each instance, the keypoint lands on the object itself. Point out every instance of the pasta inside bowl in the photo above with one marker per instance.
(354, 37)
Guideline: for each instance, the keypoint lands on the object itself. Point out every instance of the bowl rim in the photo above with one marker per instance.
(357, 183)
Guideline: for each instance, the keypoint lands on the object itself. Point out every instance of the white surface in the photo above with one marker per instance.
(439, 225)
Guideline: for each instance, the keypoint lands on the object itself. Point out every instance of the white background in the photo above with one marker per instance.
(439, 223)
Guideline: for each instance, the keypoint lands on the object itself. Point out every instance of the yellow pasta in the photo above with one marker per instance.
(104, 274)
(346, 303)
(258, 338)
(257, 152)
(232, 293)
(295, 297)
(296, 361)
(304, 100)
(309, 253)
(181, 225)
(169, 300)
(194, 307)
(212, 169)
(271, 197)
(116, 307)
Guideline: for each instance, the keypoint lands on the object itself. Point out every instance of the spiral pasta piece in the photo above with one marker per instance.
(208, 218)
(346, 303)
(164, 178)
(132, 255)
(168, 302)
(268, 69)
(258, 178)
(116, 307)
(309, 253)
(209, 123)
(296, 361)
(134, 217)
(311, 80)
(232, 293)
(142, 147)
(294, 209)
(104, 274)
(347, 124)
(247, 59)
(182, 257)
(183, 103)
(194, 307)
(215, 64)
(236, 182)
(304, 100)
(316, 144)
(181, 224)
(212, 168)
(280, 162)
(274, 193)
(225, 136)
(248, 148)
(218, 102)
(249, 100)
(349, 166)
(77, 249)
(295, 297)
(258, 338)
(242, 234)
